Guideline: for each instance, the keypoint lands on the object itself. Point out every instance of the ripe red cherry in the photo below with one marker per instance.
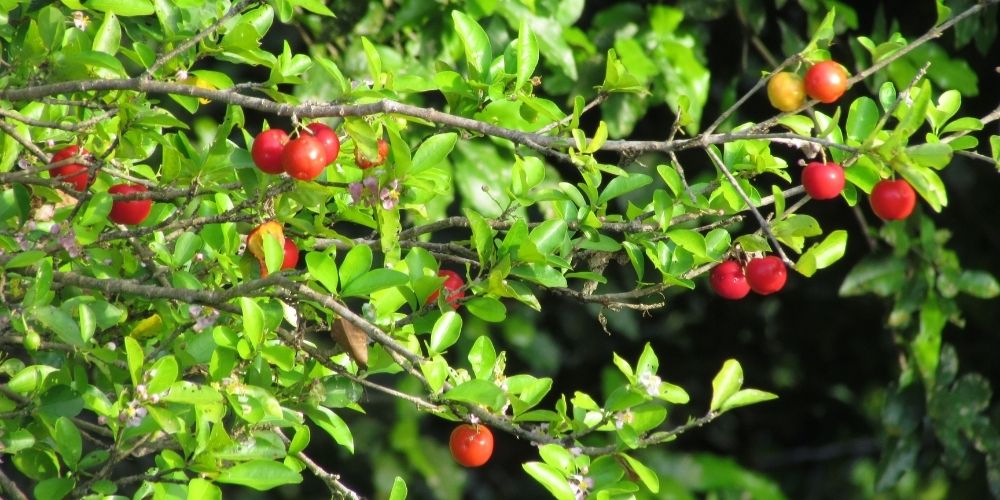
(73, 173)
(267, 149)
(129, 212)
(893, 200)
(826, 81)
(766, 275)
(364, 163)
(453, 282)
(728, 280)
(326, 135)
(304, 158)
(291, 254)
(823, 181)
(471, 444)
(785, 91)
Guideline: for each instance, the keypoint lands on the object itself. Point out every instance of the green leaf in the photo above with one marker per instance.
(550, 477)
(912, 117)
(203, 489)
(191, 393)
(746, 397)
(861, 119)
(57, 321)
(995, 149)
(882, 277)
(648, 476)
(253, 321)
(399, 490)
(54, 488)
(445, 333)
(483, 357)
(108, 36)
(322, 267)
(934, 155)
(927, 183)
(690, 240)
(823, 34)
(122, 8)
(887, 95)
(162, 374)
(482, 235)
(274, 253)
(433, 152)
(623, 184)
(487, 309)
(314, 6)
(68, 441)
(557, 457)
(88, 322)
(543, 275)
(373, 281)
(549, 235)
(979, 284)
(23, 259)
(29, 378)
(926, 345)
(333, 425)
(478, 391)
(436, 372)
(135, 357)
(478, 52)
(188, 244)
(357, 262)
(663, 208)
(527, 54)
(823, 254)
(374, 62)
(260, 475)
(965, 124)
(726, 383)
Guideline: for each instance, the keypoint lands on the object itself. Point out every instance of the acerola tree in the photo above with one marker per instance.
(162, 338)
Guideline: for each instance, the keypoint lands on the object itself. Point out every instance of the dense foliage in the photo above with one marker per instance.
(516, 198)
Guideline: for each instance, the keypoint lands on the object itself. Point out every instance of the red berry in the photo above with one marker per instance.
(728, 281)
(471, 444)
(304, 158)
(267, 149)
(364, 163)
(826, 81)
(893, 200)
(129, 212)
(453, 282)
(766, 275)
(73, 173)
(291, 254)
(823, 181)
(326, 135)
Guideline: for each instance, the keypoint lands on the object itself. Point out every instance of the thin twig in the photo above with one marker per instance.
(746, 199)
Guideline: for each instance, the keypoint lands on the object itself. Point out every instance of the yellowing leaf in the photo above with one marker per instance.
(148, 327)
(255, 241)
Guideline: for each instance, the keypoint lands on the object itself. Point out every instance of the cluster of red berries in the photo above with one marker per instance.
(306, 156)
(826, 81)
(303, 158)
(764, 275)
(122, 212)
